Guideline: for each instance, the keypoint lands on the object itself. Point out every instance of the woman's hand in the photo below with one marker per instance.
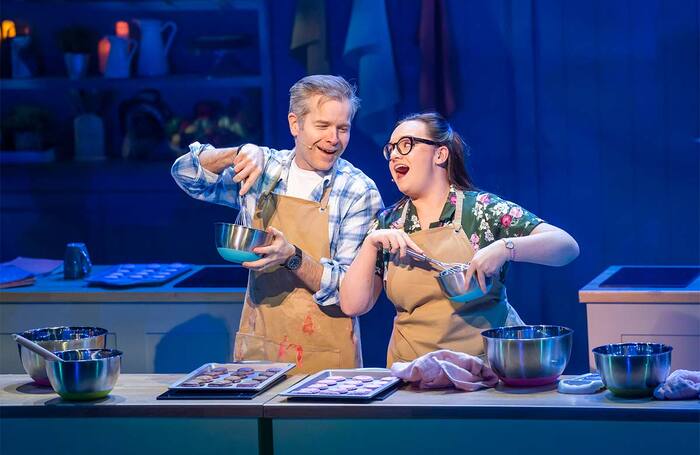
(487, 262)
(392, 240)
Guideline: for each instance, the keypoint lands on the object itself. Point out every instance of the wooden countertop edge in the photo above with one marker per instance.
(201, 409)
(641, 296)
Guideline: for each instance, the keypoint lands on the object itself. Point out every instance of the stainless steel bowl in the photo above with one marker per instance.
(235, 242)
(530, 355)
(84, 374)
(633, 369)
(453, 283)
(57, 339)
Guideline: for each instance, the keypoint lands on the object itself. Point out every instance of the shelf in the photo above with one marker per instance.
(134, 82)
(151, 5)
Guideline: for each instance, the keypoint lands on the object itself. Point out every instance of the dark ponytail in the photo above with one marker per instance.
(439, 130)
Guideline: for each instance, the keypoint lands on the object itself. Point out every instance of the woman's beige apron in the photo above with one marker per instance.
(281, 322)
(425, 319)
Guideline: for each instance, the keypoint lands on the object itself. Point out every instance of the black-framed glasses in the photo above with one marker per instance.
(405, 145)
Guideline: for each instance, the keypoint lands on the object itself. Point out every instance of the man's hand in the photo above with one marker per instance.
(248, 166)
(274, 254)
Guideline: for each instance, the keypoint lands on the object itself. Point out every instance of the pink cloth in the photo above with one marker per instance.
(446, 368)
(680, 385)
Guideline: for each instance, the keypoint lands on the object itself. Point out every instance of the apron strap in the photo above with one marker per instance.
(457, 220)
(326, 196)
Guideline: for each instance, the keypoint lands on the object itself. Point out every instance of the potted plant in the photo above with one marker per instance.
(77, 43)
(28, 124)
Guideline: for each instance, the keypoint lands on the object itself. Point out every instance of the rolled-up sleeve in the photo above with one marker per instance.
(352, 229)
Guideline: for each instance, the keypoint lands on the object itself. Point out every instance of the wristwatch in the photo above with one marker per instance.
(294, 261)
(510, 246)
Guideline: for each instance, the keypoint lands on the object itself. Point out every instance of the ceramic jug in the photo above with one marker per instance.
(121, 51)
(153, 57)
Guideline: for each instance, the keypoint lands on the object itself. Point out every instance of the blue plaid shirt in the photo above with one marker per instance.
(353, 202)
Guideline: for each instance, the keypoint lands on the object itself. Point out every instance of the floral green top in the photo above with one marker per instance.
(485, 219)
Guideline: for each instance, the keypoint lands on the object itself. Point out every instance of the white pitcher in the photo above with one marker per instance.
(121, 51)
(153, 58)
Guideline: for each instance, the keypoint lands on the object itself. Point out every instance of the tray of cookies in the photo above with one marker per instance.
(353, 384)
(233, 377)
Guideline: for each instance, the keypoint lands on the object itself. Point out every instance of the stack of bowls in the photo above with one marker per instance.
(633, 369)
(235, 242)
(527, 356)
(57, 339)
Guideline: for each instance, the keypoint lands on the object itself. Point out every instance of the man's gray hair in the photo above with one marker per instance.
(329, 87)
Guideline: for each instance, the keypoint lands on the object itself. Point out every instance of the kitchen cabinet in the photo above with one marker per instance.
(206, 63)
(164, 329)
(654, 304)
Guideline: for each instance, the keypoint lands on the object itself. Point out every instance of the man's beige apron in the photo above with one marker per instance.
(425, 319)
(281, 322)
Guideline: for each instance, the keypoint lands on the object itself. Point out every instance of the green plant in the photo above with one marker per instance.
(77, 39)
(28, 117)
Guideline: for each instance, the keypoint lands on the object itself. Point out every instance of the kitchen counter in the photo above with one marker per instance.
(54, 288)
(407, 421)
(652, 304)
(160, 329)
(501, 420)
(131, 420)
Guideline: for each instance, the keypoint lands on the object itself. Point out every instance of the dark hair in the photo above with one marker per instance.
(439, 130)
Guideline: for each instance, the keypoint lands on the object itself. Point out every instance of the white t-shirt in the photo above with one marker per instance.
(301, 183)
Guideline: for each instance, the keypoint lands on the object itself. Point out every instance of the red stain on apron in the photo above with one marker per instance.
(308, 325)
(285, 346)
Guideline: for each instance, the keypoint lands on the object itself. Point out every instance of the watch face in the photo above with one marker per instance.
(293, 263)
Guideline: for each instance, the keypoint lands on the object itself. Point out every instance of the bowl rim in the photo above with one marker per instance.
(568, 332)
(223, 223)
(28, 333)
(666, 349)
(115, 353)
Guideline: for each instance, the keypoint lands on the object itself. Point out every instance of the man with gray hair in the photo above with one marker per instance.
(318, 207)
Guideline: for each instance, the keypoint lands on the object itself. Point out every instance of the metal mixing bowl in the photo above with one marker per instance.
(633, 369)
(453, 282)
(530, 355)
(235, 242)
(57, 339)
(84, 374)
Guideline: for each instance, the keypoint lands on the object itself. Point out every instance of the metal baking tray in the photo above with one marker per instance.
(234, 380)
(381, 381)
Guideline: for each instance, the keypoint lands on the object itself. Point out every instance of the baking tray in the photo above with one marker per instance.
(236, 378)
(372, 384)
(127, 275)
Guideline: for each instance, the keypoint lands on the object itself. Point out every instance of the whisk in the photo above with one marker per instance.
(447, 267)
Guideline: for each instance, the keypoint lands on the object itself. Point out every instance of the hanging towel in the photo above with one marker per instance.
(445, 368)
(309, 36)
(368, 48)
(436, 88)
(680, 385)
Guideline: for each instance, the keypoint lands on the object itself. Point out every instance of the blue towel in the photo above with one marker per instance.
(368, 48)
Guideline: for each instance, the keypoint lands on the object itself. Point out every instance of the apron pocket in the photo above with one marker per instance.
(307, 358)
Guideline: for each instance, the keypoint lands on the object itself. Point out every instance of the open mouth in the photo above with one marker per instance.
(401, 170)
(327, 151)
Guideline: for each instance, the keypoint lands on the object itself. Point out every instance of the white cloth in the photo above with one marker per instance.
(445, 368)
(680, 385)
(301, 183)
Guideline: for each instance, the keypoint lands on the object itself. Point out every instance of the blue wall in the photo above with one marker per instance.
(586, 113)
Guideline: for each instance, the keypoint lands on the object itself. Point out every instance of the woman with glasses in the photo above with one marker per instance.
(444, 216)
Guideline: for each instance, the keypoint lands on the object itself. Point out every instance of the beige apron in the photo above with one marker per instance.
(281, 322)
(425, 319)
